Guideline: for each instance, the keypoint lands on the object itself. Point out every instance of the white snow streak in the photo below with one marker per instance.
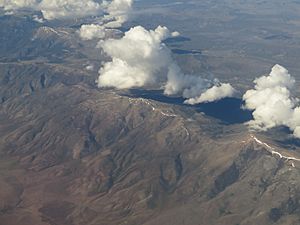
(273, 152)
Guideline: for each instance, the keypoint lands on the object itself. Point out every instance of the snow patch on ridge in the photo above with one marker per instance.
(273, 151)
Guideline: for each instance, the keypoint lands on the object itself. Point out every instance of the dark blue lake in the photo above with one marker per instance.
(228, 110)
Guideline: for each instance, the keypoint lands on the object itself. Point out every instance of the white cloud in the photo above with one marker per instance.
(272, 102)
(194, 88)
(175, 34)
(118, 12)
(138, 58)
(212, 94)
(91, 31)
(141, 58)
(180, 83)
(120, 74)
(9, 5)
(297, 132)
(65, 9)
(56, 9)
(90, 67)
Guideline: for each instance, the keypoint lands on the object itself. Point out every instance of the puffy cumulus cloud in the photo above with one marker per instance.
(12, 4)
(180, 83)
(120, 74)
(194, 88)
(212, 94)
(272, 102)
(91, 31)
(8, 5)
(294, 123)
(141, 58)
(65, 9)
(137, 59)
(56, 9)
(118, 12)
